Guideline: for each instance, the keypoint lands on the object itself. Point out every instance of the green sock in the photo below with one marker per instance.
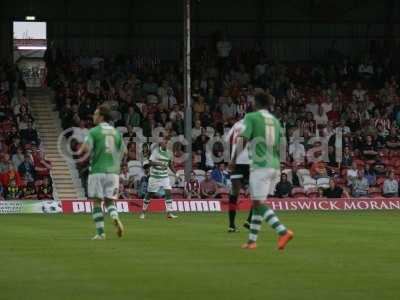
(168, 203)
(98, 219)
(273, 221)
(255, 223)
(112, 211)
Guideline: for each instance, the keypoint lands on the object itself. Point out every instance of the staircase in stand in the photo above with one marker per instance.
(66, 183)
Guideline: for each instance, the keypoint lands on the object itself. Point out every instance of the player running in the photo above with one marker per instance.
(160, 160)
(239, 175)
(262, 130)
(106, 148)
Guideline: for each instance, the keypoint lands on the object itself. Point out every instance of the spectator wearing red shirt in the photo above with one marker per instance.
(42, 165)
(9, 175)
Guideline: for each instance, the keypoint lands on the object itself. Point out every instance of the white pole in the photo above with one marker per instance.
(187, 88)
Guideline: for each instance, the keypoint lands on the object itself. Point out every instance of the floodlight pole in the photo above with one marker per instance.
(187, 88)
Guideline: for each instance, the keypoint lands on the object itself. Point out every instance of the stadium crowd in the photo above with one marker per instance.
(340, 116)
(353, 99)
(24, 170)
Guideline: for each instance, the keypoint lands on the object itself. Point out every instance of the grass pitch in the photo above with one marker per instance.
(352, 255)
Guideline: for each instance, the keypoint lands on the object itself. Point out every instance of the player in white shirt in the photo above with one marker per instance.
(239, 176)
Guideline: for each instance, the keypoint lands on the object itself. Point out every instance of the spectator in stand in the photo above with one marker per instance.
(168, 101)
(390, 186)
(44, 189)
(143, 183)
(353, 122)
(334, 191)
(197, 129)
(13, 190)
(133, 117)
(392, 140)
(283, 188)
(80, 133)
(352, 173)
(369, 149)
(359, 93)
(309, 124)
(366, 70)
(42, 165)
(178, 125)
(360, 185)
(347, 158)
(320, 118)
(176, 111)
(382, 137)
(208, 187)
(370, 175)
(229, 109)
(29, 135)
(125, 179)
(192, 187)
(27, 170)
(18, 157)
(220, 176)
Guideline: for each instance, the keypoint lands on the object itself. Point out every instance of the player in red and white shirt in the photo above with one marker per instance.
(239, 176)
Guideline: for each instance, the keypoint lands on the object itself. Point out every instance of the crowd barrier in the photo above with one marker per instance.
(201, 206)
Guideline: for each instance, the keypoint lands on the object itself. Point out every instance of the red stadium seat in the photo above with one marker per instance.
(379, 181)
(375, 192)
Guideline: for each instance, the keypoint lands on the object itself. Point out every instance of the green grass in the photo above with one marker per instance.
(333, 256)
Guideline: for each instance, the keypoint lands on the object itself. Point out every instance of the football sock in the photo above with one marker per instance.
(112, 211)
(98, 219)
(168, 203)
(232, 210)
(255, 224)
(273, 221)
(146, 202)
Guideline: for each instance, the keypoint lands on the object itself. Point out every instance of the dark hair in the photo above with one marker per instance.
(262, 100)
(105, 112)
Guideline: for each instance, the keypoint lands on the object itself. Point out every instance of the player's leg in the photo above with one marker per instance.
(261, 212)
(152, 187)
(95, 194)
(168, 203)
(98, 219)
(166, 185)
(146, 202)
(111, 186)
(233, 198)
(284, 235)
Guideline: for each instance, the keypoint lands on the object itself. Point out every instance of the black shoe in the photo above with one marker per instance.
(246, 225)
(232, 230)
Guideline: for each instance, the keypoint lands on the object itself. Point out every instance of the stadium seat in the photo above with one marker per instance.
(177, 193)
(223, 193)
(380, 180)
(312, 193)
(323, 182)
(309, 183)
(375, 192)
(298, 192)
(200, 174)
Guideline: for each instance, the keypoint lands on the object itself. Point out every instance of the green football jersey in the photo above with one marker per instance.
(263, 131)
(160, 156)
(107, 149)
